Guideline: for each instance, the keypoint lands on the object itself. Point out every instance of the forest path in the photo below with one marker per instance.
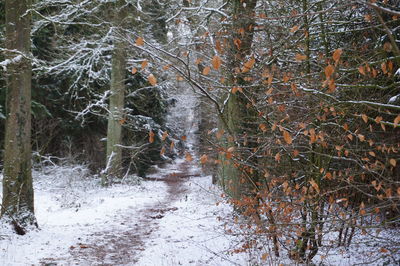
(123, 242)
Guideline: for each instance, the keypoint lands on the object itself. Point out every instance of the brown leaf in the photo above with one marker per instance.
(162, 151)
(314, 185)
(249, 65)
(364, 117)
(206, 70)
(203, 159)
(145, 63)
(329, 71)
(387, 47)
(361, 69)
(139, 41)
(218, 46)
(264, 256)
(216, 62)
(294, 29)
(384, 68)
(151, 136)
(198, 61)
(188, 157)
(287, 137)
(152, 80)
(263, 127)
(396, 121)
(336, 55)
(300, 57)
(220, 133)
(393, 162)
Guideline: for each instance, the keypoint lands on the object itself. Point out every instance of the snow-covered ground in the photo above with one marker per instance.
(75, 214)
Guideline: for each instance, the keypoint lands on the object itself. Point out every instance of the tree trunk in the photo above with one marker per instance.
(116, 106)
(238, 116)
(17, 205)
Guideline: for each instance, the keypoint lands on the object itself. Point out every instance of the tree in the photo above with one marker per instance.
(17, 205)
(117, 90)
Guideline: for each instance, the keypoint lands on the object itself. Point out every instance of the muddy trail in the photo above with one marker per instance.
(123, 244)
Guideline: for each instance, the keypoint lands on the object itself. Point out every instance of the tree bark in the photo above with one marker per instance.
(239, 118)
(17, 205)
(116, 105)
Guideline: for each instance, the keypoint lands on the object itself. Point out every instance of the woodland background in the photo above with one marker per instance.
(298, 109)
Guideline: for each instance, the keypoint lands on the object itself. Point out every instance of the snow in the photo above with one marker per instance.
(4, 64)
(71, 207)
(69, 204)
(193, 234)
(394, 99)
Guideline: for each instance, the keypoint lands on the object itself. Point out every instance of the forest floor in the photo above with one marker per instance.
(173, 217)
(170, 218)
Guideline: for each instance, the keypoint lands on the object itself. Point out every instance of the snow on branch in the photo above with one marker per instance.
(16, 60)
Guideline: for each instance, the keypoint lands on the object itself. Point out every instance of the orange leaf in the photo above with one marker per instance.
(237, 43)
(204, 159)
(361, 69)
(134, 70)
(206, 70)
(220, 133)
(162, 151)
(249, 65)
(151, 136)
(139, 41)
(364, 117)
(264, 256)
(384, 250)
(216, 62)
(278, 157)
(336, 55)
(218, 46)
(300, 57)
(236, 89)
(145, 63)
(396, 121)
(329, 71)
(152, 80)
(263, 127)
(314, 185)
(384, 68)
(188, 157)
(294, 29)
(387, 46)
(198, 61)
(287, 137)
(183, 138)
